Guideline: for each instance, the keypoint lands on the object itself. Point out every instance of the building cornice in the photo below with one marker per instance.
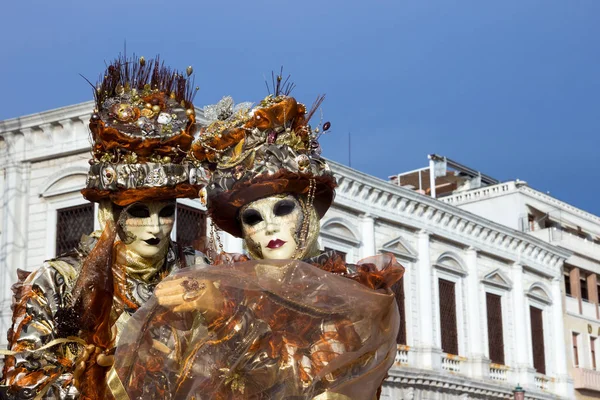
(510, 187)
(400, 205)
(560, 204)
(80, 111)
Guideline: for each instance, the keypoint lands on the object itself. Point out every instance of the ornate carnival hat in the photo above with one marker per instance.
(252, 153)
(141, 131)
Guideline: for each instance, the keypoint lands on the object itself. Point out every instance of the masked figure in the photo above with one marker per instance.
(68, 314)
(287, 322)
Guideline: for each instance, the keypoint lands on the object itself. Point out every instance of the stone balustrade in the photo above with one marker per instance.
(588, 379)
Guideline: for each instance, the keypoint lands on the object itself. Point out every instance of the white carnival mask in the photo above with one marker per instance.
(147, 226)
(270, 226)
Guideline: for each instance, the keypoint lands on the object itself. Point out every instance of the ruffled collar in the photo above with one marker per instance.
(137, 267)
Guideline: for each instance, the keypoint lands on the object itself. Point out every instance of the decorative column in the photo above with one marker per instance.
(367, 231)
(428, 355)
(479, 365)
(563, 385)
(524, 371)
(13, 237)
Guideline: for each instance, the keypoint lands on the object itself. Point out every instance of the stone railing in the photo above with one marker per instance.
(452, 363)
(568, 240)
(499, 372)
(588, 309)
(572, 304)
(576, 243)
(477, 194)
(586, 379)
(401, 355)
(542, 382)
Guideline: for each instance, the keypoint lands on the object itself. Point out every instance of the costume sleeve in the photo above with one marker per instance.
(38, 315)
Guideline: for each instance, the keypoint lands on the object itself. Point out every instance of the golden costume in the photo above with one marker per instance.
(307, 327)
(68, 314)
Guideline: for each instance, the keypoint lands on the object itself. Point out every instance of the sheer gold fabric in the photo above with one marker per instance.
(287, 330)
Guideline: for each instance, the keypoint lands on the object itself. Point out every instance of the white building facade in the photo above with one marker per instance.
(481, 302)
(542, 216)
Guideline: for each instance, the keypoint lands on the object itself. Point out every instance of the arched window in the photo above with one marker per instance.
(449, 272)
(405, 254)
(68, 214)
(496, 286)
(538, 300)
(340, 235)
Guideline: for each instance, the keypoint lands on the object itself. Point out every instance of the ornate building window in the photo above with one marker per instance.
(448, 316)
(497, 285)
(405, 254)
(495, 328)
(340, 235)
(71, 224)
(449, 273)
(541, 327)
(191, 227)
(537, 339)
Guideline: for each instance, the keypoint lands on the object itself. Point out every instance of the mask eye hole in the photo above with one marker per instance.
(138, 211)
(167, 211)
(283, 208)
(251, 217)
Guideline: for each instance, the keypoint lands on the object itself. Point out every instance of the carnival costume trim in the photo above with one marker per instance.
(261, 329)
(142, 129)
(253, 153)
(68, 314)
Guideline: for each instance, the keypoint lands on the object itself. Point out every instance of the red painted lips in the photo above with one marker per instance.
(275, 244)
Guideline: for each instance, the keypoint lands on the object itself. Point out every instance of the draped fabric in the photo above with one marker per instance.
(286, 330)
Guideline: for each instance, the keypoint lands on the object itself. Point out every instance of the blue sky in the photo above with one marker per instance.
(509, 87)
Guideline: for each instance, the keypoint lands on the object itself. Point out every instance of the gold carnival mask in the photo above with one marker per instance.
(146, 227)
(272, 228)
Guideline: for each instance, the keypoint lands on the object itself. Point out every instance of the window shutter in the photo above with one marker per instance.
(71, 224)
(495, 331)
(593, 352)
(398, 289)
(448, 317)
(537, 339)
(575, 350)
(191, 227)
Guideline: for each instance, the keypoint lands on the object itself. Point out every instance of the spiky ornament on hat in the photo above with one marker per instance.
(253, 153)
(141, 131)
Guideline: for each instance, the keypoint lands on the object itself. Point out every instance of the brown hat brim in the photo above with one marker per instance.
(224, 206)
(130, 196)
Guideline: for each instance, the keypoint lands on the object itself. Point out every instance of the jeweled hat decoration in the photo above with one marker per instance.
(252, 153)
(141, 131)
